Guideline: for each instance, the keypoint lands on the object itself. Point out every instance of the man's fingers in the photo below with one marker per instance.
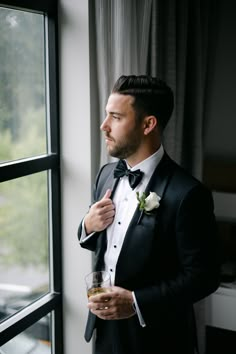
(101, 214)
(105, 201)
(107, 194)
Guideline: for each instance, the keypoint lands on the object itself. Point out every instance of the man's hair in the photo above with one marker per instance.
(151, 95)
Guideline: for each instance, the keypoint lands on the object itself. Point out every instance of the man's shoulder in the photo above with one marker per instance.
(105, 172)
(183, 179)
(107, 168)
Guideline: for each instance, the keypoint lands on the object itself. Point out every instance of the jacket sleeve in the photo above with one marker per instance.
(91, 242)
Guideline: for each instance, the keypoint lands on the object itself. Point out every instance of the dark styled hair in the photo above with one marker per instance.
(152, 96)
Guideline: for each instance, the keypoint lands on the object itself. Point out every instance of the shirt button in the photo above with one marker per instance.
(111, 270)
(115, 246)
(119, 222)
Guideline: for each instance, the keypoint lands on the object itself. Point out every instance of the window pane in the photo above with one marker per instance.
(24, 259)
(22, 85)
(35, 340)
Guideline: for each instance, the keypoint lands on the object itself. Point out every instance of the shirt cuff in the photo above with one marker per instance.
(83, 236)
(137, 310)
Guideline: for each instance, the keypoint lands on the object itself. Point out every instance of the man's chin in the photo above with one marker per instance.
(113, 153)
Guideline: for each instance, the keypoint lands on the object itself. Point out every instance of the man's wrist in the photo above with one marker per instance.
(86, 226)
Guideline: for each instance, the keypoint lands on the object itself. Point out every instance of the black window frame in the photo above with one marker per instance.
(52, 301)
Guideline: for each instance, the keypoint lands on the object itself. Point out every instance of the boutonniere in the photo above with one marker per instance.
(148, 203)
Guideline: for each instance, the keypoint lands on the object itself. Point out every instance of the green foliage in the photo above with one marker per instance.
(141, 200)
(5, 145)
(23, 215)
(22, 76)
(23, 201)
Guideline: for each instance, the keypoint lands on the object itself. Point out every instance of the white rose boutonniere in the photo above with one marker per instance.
(148, 203)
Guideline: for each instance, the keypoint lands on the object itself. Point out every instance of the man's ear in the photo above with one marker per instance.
(149, 124)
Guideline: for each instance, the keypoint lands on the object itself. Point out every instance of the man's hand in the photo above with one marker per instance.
(100, 215)
(114, 305)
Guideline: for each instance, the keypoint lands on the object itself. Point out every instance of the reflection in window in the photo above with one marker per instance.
(22, 85)
(24, 260)
(35, 340)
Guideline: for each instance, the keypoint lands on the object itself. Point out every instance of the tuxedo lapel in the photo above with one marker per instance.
(160, 178)
(107, 182)
(158, 183)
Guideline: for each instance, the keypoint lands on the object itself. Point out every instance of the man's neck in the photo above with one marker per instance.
(139, 157)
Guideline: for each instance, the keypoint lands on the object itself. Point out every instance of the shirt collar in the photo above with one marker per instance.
(149, 164)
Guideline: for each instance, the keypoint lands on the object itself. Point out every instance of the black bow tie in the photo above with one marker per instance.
(133, 176)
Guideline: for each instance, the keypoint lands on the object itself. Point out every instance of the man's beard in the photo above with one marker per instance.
(126, 148)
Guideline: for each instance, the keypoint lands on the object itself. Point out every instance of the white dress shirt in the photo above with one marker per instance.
(126, 202)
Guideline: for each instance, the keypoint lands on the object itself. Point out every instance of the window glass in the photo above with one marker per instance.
(24, 235)
(22, 85)
(35, 340)
(27, 189)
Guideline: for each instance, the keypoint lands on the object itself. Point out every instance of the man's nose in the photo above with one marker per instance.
(105, 125)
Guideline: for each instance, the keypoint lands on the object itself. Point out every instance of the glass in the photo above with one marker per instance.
(97, 283)
(24, 259)
(22, 85)
(34, 340)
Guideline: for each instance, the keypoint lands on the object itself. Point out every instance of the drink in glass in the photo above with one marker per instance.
(97, 283)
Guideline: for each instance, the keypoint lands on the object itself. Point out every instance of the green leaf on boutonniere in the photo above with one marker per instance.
(148, 203)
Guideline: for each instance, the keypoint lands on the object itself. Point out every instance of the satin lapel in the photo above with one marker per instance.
(161, 176)
(111, 183)
(158, 182)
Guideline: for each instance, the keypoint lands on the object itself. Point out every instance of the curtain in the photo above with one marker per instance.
(179, 53)
(165, 38)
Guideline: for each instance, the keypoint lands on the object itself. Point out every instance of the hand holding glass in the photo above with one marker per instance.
(97, 283)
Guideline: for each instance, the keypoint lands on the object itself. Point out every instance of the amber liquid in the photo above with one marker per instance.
(96, 291)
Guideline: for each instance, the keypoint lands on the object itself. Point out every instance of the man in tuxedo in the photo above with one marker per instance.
(161, 252)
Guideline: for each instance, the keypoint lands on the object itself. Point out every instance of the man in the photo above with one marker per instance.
(161, 252)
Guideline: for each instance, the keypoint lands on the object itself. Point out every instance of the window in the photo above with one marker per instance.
(30, 239)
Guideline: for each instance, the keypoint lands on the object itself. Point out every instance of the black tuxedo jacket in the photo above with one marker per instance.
(169, 259)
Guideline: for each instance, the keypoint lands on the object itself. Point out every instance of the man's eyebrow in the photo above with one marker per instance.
(113, 112)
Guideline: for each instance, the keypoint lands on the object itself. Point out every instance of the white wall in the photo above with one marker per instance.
(76, 165)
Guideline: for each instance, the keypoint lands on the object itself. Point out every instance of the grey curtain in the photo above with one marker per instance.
(180, 50)
(165, 38)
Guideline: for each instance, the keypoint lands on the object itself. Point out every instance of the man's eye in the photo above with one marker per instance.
(116, 117)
